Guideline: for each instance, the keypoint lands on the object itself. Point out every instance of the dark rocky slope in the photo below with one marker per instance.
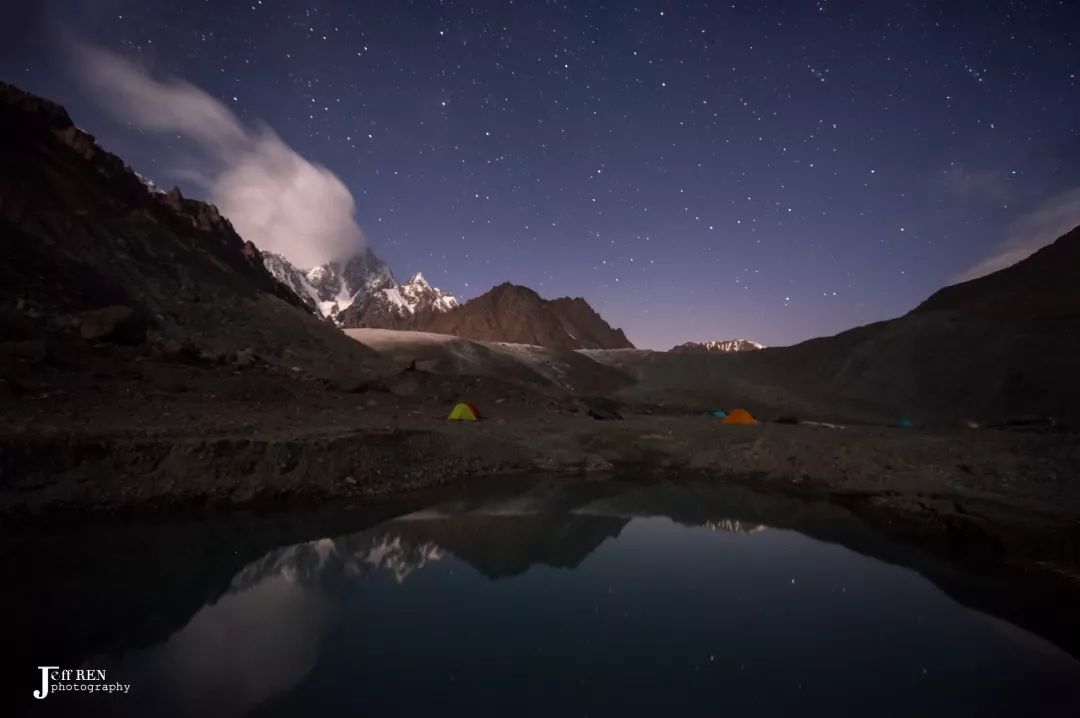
(98, 264)
(998, 347)
(1043, 287)
(511, 313)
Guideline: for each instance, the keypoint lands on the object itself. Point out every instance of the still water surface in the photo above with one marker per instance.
(643, 601)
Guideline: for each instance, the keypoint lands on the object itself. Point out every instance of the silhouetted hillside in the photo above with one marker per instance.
(1046, 285)
(511, 313)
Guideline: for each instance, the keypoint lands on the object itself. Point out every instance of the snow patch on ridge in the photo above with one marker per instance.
(149, 183)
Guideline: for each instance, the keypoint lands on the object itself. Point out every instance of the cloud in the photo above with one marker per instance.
(273, 196)
(224, 662)
(1034, 230)
(988, 185)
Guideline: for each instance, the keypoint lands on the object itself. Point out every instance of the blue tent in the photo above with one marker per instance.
(720, 414)
(905, 423)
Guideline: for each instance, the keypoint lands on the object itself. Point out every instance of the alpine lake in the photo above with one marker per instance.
(540, 597)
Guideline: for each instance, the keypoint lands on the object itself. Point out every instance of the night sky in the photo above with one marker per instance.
(696, 170)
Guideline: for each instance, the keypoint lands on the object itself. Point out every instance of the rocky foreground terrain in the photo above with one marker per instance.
(149, 362)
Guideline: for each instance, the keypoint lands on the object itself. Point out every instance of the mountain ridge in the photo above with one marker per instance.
(516, 314)
(1042, 286)
(722, 346)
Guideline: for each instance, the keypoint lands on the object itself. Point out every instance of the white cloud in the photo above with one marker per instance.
(1036, 229)
(981, 184)
(273, 196)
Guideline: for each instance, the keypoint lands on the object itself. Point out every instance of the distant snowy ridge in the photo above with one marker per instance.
(723, 346)
(734, 526)
(360, 292)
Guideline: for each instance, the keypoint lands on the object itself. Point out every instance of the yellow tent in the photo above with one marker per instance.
(464, 412)
(739, 416)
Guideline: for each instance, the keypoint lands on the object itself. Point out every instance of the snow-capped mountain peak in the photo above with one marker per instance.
(362, 292)
(420, 295)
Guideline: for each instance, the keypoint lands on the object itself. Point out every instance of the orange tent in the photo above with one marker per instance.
(739, 416)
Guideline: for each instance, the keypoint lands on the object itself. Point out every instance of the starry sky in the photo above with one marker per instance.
(696, 170)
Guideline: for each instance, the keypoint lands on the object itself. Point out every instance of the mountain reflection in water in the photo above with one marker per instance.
(593, 600)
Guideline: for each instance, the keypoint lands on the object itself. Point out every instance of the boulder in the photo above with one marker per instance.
(173, 350)
(245, 358)
(596, 463)
(357, 384)
(115, 323)
(602, 408)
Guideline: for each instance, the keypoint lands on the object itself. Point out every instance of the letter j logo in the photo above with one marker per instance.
(40, 694)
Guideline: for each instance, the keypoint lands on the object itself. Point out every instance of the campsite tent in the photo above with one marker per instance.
(739, 416)
(464, 412)
(720, 414)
